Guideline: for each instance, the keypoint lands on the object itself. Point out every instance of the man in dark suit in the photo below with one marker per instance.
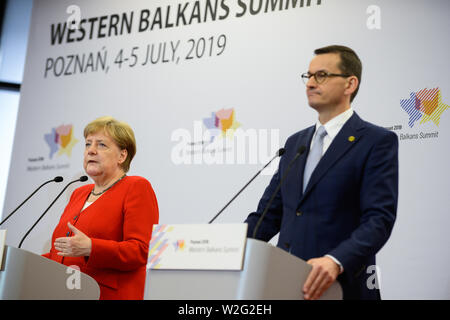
(337, 206)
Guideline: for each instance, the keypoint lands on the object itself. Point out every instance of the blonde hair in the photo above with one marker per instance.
(120, 132)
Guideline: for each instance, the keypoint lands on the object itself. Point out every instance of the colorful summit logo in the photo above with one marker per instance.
(221, 123)
(159, 243)
(425, 105)
(61, 140)
(179, 245)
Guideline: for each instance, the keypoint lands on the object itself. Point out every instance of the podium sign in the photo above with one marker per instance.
(197, 247)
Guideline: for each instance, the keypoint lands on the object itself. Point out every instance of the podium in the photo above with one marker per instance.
(28, 276)
(268, 273)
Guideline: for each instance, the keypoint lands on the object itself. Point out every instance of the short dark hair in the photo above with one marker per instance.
(350, 62)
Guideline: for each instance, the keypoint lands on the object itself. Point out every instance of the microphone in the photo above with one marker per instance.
(279, 154)
(300, 151)
(56, 179)
(81, 179)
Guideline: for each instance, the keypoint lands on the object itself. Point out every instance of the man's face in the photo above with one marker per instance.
(330, 93)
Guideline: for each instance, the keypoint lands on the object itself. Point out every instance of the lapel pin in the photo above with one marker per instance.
(351, 138)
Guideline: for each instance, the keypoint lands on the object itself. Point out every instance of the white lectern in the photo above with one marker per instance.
(25, 275)
(268, 273)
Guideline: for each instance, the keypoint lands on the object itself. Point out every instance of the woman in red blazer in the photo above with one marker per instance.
(106, 227)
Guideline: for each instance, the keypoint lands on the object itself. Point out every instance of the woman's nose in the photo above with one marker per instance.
(91, 149)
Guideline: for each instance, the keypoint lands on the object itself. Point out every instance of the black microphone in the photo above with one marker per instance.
(82, 179)
(56, 179)
(279, 154)
(300, 151)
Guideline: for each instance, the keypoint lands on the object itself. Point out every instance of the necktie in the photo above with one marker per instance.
(314, 155)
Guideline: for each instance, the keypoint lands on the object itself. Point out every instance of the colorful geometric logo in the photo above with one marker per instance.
(222, 123)
(158, 244)
(61, 140)
(425, 104)
(179, 245)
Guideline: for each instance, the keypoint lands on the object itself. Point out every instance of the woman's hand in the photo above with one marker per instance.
(79, 245)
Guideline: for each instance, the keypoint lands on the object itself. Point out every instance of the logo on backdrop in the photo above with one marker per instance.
(60, 142)
(221, 123)
(220, 139)
(424, 109)
(424, 105)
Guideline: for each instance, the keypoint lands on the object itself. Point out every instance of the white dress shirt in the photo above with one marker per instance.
(86, 204)
(332, 128)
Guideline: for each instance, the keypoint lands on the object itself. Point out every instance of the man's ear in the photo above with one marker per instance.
(352, 85)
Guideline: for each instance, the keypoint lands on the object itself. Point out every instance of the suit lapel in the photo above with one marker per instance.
(84, 197)
(347, 137)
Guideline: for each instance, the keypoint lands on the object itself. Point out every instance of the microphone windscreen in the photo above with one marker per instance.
(83, 178)
(58, 179)
(281, 152)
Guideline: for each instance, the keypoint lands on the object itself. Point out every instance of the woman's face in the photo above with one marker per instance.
(102, 157)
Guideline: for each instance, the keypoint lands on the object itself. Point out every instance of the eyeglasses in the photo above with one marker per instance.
(321, 76)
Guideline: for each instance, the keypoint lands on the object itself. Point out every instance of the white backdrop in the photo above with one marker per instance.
(249, 62)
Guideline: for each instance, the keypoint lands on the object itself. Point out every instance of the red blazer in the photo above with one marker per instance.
(119, 224)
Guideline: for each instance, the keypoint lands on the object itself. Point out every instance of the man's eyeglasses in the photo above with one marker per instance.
(321, 76)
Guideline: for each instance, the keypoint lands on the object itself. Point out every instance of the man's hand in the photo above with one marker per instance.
(77, 246)
(324, 272)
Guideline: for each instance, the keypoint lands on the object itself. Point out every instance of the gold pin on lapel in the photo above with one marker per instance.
(351, 138)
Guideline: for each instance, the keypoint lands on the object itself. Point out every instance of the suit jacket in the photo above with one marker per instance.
(119, 224)
(348, 208)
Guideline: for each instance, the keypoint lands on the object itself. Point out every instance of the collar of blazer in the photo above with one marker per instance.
(348, 136)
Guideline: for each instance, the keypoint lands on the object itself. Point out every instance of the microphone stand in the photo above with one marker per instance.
(300, 151)
(82, 179)
(56, 179)
(279, 154)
